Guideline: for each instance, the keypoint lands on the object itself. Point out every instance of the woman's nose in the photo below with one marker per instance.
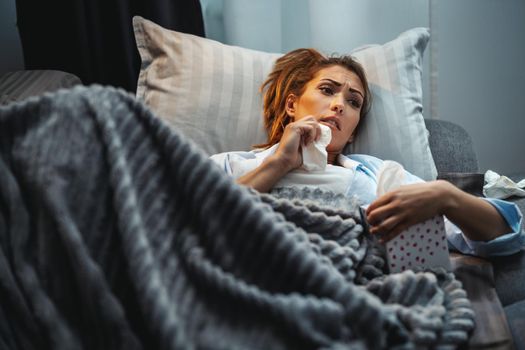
(337, 104)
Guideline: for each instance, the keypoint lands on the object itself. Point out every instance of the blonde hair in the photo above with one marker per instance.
(290, 75)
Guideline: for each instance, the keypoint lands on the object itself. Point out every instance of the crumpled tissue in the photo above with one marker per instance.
(500, 186)
(420, 246)
(315, 156)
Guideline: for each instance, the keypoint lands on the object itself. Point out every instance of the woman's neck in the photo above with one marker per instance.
(332, 158)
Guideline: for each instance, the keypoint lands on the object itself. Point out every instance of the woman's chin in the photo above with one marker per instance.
(335, 149)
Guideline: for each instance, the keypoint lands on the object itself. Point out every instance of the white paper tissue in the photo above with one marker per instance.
(499, 186)
(314, 155)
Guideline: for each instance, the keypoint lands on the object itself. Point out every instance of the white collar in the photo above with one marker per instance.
(346, 162)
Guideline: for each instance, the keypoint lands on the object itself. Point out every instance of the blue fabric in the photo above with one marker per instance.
(364, 185)
(507, 244)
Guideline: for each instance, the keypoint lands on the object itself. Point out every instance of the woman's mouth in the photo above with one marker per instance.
(331, 122)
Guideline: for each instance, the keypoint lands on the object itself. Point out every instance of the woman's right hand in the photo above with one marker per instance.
(287, 157)
(295, 136)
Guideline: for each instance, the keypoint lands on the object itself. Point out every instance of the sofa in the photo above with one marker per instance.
(456, 162)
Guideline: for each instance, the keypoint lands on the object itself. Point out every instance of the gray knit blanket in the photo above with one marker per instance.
(116, 232)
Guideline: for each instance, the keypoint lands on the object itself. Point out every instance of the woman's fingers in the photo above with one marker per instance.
(378, 203)
(310, 130)
(377, 209)
(296, 135)
(387, 219)
(390, 228)
(408, 205)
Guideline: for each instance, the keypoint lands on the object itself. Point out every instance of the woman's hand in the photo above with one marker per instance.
(295, 136)
(287, 157)
(399, 209)
(408, 205)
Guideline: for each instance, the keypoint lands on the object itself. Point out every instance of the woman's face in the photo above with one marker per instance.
(334, 97)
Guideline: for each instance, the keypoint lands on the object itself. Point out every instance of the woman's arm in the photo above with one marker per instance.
(478, 219)
(287, 156)
(266, 175)
(397, 210)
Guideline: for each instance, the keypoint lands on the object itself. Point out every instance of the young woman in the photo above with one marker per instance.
(306, 90)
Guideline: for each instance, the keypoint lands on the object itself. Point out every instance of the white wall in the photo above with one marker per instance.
(11, 57)
(481, 80)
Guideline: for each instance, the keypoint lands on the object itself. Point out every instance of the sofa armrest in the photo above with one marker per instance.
(515, 314)
(492, 330)
(451, 147)
(19, 85)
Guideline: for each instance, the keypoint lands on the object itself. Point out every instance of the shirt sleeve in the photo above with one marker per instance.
(221, 159)
(236, 164)
(506, 244)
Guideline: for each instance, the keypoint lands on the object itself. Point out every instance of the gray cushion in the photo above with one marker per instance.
(509, 276)
(451, 147)
(509, 271)
(516, 319)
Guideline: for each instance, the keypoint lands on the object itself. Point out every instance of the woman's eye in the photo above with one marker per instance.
(355, 103)
(326, 90)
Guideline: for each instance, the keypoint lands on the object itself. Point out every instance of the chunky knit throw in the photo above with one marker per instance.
(116, 232)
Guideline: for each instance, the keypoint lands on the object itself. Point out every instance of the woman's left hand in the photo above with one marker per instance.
(399, 209)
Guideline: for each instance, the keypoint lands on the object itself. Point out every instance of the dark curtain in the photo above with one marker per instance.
(94, 39)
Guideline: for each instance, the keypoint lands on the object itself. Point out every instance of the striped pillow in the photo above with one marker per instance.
(210, 92)
(395, 128)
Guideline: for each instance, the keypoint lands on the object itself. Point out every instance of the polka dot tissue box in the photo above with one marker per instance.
(420, 246)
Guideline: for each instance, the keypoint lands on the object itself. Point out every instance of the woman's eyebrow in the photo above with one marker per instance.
(336, 83)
